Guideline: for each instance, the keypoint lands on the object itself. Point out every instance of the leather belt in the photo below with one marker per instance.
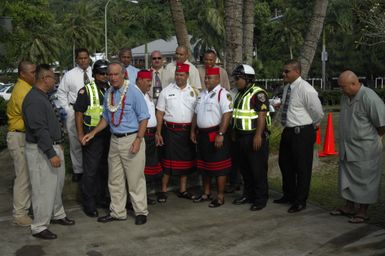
(177, 125)
(209, 129)
(120, 135)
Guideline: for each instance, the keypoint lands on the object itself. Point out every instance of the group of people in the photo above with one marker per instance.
(126, 126)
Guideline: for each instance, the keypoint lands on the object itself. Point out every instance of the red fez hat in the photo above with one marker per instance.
(182, 68)
(212, 71)
(144, 74)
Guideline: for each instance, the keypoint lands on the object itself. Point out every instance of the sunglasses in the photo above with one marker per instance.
(102, 73)
(287, 71)
(156, 58)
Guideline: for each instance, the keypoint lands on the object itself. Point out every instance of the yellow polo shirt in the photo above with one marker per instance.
(14, 112)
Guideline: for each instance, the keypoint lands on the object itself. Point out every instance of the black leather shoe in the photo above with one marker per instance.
(241, 200)
(140, 219)
(65, 221)
(257, 207)
(45, 234)
(91, 213)
(76, 177)
(151, 201)
(282, 200)
(296, 208)
(108, 218)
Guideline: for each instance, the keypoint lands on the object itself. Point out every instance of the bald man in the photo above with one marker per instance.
(181, 57)
(362, 123)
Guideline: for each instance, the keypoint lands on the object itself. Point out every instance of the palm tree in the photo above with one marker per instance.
(234, 35)
(177, 15)
(248, 30)
(313, 35)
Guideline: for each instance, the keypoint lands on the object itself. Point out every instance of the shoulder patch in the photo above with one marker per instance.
(261, 97)
(263, 107)
(228, 96)
(81, 91)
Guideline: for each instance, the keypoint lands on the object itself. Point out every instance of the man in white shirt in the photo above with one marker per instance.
(175, 109)
(125, 57)
(181, 56)
(301, 115)
(158, 82)
(67, 92)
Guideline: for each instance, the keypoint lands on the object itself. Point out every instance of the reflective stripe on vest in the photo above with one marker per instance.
(94, 110)
(243, 114)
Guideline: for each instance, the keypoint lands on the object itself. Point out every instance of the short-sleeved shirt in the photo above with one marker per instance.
(212, 105)
(14, 111)
(177, 104)
(135, 109)
(359, 119)
(151, 109)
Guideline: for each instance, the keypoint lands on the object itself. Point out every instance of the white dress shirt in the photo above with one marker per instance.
(69, 86)
(193, 78)
(304, 105)
(211, 106)
(177, 104)
(151, 109)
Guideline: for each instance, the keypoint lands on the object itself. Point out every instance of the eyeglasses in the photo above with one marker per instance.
(156, 58)
(102, 73)
(287, 71)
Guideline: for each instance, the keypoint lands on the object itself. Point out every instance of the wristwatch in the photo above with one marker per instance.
(221, 133)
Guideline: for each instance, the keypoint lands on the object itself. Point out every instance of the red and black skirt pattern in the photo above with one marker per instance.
(178, 153)
(153, 168)
(213, 161)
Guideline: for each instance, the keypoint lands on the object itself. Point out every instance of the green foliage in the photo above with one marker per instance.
(330, 97)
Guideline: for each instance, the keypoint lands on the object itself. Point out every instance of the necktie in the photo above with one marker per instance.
(285, 107)
(158, 83)
(85, 78)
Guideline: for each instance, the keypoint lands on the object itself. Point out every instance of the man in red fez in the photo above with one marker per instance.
(175, 109)
(209, 125)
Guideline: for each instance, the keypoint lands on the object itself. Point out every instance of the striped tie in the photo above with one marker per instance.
(285, 107)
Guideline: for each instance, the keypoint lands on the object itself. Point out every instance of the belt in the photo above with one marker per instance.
(151, 130)
(299, 127)
(120, 135)
(209, 129)
(177, 125)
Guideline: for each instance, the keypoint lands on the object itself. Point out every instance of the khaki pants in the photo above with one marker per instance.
(22, 185)
(122, 166)
(47, 185)
(75, 146)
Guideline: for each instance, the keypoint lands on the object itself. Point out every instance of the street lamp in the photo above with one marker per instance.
(105, 24)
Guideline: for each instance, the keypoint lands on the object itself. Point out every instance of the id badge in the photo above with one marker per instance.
(156, 92)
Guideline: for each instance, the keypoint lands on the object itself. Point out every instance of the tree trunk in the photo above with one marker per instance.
(233, 34)
(179, 23)
(313, 35)
(248, 30)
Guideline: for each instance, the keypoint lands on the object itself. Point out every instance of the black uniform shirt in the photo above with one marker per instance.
(41, 124)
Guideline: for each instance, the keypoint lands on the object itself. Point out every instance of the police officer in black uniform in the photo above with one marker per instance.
(88, 110)
(250, 126)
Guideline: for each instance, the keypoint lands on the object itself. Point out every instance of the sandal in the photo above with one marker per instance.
(341, 212)
(357, 219)
(184, 194)
(216, 203)
(201, 198)
(162, 197)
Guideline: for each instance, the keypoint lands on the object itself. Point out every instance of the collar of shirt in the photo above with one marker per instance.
(188, 87)
(296, 82)
(215, 90)
(156, 70)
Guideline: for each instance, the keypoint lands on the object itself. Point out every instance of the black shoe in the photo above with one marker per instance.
(241, 200)
(65, 221)
(108, 218)
(257, 207)
(45, 234)
(201, 198)
(140, 219)
(282, 200)
(91, 213)
(151, 201)
(296, 208)
(76, 177)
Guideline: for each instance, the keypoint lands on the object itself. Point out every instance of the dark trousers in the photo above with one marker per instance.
(296, 161)
(94, 182)
(253, 166)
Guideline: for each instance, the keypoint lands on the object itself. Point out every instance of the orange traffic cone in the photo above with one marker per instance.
(329, 139)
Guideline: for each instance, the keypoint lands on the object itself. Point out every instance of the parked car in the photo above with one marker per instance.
(5, 92)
